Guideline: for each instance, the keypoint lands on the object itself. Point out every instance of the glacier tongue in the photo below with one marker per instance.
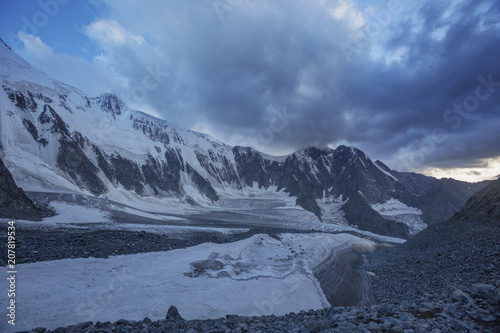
(274, 276)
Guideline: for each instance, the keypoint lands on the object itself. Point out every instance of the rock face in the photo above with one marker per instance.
(99, 146)
(483, 209)
(497, 293)
(445, 257)
(14, 204)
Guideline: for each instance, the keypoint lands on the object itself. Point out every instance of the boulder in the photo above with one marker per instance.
(482, 291)
(459, 296)
(173, 314)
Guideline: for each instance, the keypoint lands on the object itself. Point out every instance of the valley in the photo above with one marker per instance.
(121, 216)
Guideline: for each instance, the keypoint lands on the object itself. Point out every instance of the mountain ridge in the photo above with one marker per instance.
(56, 138)
(453, 254)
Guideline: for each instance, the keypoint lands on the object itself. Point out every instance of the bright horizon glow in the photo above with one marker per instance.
(490, 170)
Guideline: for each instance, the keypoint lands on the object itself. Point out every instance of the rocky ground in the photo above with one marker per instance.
(460, 312)
(445, 279)
(430, 269)
(444, 257)
(43, 244)
(421, 304)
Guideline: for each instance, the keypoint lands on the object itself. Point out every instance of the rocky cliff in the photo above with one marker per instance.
(14, 204)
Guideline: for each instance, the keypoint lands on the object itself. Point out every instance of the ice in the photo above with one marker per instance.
(256, 276)
(395, 207)
(331, 208)
(396, 210)
(69, 214)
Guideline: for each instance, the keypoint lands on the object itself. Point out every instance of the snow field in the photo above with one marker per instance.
(396, 210)
(256, 276)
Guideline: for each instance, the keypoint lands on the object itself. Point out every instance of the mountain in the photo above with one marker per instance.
(482, 208)
(454, 254)
(55, 138)
(14, 204)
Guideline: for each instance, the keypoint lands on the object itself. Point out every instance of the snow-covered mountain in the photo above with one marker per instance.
(55, 138)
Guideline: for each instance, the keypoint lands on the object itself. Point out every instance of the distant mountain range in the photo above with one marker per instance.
(454, 254)
(55, 138)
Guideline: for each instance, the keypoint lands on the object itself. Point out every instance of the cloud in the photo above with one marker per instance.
(275, 75)
(109, 33)
(485, 169)
(89, 77)
(34, 45)
(347, 10)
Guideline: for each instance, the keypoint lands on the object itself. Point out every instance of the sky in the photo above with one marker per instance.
(413, 83)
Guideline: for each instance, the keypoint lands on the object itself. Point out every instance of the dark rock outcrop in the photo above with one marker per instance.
(72, 160)
(14, 204)
(252, 168)
(173, 314)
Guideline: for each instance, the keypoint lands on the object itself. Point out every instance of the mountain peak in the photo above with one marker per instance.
(312, 152)
(352, 151)
(111, 103)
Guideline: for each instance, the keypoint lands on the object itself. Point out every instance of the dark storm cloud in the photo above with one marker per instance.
(445, 73)
(233, 75)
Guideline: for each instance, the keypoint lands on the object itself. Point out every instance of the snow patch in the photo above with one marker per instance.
(69, 214)
(394, 209)
(385, 172)
(331, 209)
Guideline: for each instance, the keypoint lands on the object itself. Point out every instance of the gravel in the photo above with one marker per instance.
(43, 244)
(407, 301)
(447, 256)
(468, 313)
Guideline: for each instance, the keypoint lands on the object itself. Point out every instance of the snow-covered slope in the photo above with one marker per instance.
(55, 138)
